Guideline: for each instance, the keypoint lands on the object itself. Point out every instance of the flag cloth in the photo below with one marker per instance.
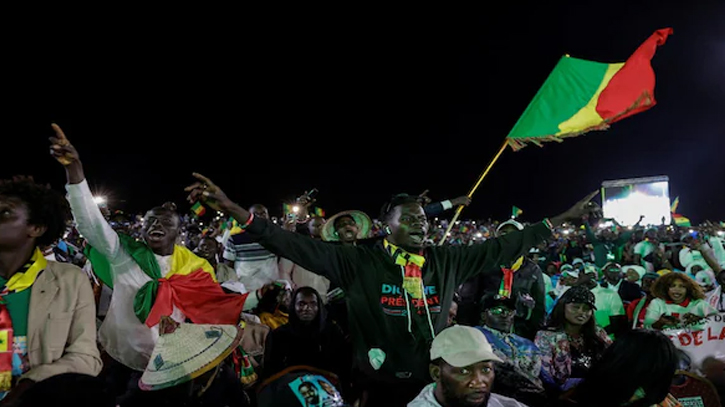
(319, 212)
(516, 212)
(198, 209)
(199, 297)
(580, 96)
(287, 209)
(675, 204)
(234, 228)
(681, 220)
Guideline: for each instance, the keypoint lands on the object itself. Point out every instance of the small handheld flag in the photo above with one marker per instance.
(198, 209)
(516, 212)
(675, 204)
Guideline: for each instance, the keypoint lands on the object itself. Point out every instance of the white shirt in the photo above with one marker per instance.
(644, 248)
(122, 335)
(426, 398)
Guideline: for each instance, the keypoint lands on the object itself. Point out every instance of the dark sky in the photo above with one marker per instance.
(364, 105)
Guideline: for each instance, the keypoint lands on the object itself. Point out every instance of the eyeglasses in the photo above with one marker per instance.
(500, 311)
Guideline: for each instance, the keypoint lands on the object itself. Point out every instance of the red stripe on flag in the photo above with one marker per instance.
(200, 299)
(631, 89)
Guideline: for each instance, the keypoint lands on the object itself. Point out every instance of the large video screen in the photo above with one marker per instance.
(626, 199)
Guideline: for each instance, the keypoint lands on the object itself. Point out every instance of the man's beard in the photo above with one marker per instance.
(456, 401)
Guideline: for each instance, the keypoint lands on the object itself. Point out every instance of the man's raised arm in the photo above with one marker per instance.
(503, 251)
(89, 219)
(329, 260)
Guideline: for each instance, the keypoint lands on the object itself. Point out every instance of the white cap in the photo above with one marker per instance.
(462, 346)
(510, 222)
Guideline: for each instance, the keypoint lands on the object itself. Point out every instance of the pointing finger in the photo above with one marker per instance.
(202, 178)
(59, 132)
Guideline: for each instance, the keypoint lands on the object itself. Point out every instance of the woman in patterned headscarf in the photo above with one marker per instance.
(572, 341)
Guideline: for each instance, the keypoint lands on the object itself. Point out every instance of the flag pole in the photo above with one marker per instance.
(475, 187)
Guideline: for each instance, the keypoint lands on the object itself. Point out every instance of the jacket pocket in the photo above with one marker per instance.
(59, 323)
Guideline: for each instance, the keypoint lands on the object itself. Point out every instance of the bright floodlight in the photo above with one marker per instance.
(99, 200)
(295, 209)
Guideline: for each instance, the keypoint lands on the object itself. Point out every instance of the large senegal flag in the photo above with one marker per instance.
(190, 285)
(580, 96)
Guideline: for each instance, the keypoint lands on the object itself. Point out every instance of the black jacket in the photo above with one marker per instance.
(383, 318)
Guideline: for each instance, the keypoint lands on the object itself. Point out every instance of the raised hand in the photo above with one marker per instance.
(209, 193)
(61, 149)
(423, 198)
(461, 200)
(579, 210)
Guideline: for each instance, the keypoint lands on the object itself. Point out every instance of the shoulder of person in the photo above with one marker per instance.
(504, 401)
(66, 271)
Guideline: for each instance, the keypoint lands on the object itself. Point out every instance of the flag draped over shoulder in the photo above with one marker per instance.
(190, 285)
(580, 96)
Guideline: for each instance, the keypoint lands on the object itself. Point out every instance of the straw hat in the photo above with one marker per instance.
(362, 220)
(187, 351)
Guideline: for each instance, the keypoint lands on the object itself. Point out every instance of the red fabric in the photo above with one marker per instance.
(6, 324)
(412, 270)
(696, 386)
(200, 298)
(684, 303)
(633, 306)
(634, 82)
(508, 281)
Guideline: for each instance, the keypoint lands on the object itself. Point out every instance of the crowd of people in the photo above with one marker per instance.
(229, 306)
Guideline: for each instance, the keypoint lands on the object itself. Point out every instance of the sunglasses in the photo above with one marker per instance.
(500, 311)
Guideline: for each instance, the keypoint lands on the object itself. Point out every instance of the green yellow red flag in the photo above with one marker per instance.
(198, 209)
(580, 96)
(674, 205)
(516, 212)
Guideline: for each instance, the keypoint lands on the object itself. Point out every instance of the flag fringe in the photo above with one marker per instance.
(518, 143)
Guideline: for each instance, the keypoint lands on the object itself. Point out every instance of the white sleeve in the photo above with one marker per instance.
(655, 309)
(229, 252)
(90, 221)
(447, 204)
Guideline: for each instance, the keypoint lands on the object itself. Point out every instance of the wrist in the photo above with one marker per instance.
(557, 221)
(74, 172)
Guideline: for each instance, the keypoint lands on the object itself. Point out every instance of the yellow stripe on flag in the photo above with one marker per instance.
(4, 341)
(587, 116)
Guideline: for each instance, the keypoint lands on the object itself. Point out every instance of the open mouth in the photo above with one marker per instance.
(156, 234)
(417, 236)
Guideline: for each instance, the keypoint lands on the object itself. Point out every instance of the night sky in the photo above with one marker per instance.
(364, 105)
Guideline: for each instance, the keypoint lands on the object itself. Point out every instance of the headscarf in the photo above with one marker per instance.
(318, 324)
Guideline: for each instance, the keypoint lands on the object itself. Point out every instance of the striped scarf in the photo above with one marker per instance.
(412, 264)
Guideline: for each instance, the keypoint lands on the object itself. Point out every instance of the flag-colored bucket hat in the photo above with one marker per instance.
(362, 220)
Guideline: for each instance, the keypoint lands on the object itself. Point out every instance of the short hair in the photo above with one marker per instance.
(397, 200)
(46, 207)
(644, 359)
(169, 208)
(662, 285)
